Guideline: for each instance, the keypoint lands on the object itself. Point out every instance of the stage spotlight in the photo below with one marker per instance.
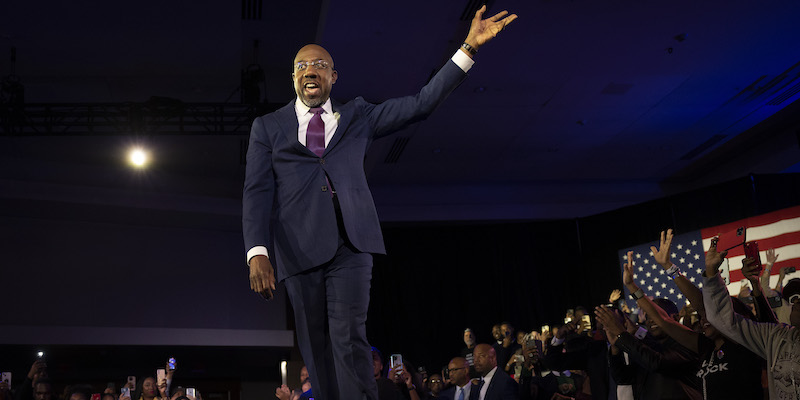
(138, 158)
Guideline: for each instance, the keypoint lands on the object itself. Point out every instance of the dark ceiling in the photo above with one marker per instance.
(578, 107)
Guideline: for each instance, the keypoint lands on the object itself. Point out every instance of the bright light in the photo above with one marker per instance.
(138, 158)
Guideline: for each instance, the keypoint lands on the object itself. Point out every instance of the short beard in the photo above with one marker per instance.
(312, 104)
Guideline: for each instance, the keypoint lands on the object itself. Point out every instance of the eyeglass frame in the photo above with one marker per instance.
(315, 64)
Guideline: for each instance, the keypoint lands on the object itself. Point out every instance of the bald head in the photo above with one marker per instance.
(313, 75)
(484, 358)
(458, 369)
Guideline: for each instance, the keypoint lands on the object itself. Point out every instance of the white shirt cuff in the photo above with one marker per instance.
(256, 251)
(462, 60)
(556, 341)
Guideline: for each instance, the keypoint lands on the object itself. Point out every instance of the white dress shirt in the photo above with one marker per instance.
(486, 381)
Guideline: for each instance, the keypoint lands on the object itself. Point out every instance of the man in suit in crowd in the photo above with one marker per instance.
(308, 209)
(458, 370)
(495, 384)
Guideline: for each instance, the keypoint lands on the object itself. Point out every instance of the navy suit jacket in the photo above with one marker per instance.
(502, 387)
(287, 203)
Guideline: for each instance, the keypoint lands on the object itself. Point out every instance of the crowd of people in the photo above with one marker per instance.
(716, 346)
(37, 386)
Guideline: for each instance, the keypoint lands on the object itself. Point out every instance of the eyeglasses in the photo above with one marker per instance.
(454, 369)
(317, 64)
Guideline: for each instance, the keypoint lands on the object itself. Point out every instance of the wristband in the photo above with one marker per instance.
(672, 271)
(469, 48)
(637, 294)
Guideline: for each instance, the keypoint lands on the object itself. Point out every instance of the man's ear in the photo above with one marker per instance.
(334, 76)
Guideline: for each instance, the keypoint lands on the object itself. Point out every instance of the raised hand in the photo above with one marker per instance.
(616, 294)
(484, 30)
(627, 274)
(714, 259)
(662, 253)
(771, 256)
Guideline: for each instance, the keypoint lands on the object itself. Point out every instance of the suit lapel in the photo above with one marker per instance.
(287, 121)
(345, 116)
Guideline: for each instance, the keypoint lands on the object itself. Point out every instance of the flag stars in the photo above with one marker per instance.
(638, 255)
(650, 254)
(647, 274)
(691, 265)
(661, 272)
(697, 256)
(635, 276)
(700, 285)
(682, 260)
(649, 288)
(658, 294)
(646, 261)
(680, 246)
(641, 269)
(655, 280)
(625, 257)
(699, 271)
(692, 279)
(663, 285)
(641, 282)
(673, 255)
(672, 291)
(694, 242)
(680, 296)
(688, 251)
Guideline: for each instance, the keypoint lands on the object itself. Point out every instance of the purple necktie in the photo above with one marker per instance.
(315, 134)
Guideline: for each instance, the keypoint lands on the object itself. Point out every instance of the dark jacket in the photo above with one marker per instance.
(658, 369)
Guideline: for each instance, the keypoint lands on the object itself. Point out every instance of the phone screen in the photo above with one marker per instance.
(396, 360)
(171, 363)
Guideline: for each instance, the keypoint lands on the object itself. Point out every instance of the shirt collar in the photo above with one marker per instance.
(301, 109)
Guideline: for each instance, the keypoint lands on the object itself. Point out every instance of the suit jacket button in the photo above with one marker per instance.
(322, 161)
(324, 188)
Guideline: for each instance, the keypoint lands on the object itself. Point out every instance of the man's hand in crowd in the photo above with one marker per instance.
(482, 31)
(616, 294)
(566, 330)
(714, 259)
(611, 323)
(283, 393)
(771, 256)
(37, 368)
(627, 274)
(750, 270)
(262, 276)
(661, 254)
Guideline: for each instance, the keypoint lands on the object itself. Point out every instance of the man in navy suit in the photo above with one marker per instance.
(306, 199)
(495, 384)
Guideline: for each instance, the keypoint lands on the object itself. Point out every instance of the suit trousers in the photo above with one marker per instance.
(330, 305)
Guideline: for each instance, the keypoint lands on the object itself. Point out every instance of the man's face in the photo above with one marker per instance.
(469, 338)
(313, 83)
(377, 365)
(507, 330)
(484, 358)
(497, 333)
(43, 391)
(435, 384)
(459, 372)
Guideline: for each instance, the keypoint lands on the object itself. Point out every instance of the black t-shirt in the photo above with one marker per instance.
(732, 372)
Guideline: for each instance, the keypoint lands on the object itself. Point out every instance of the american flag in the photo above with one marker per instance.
(779, 230)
